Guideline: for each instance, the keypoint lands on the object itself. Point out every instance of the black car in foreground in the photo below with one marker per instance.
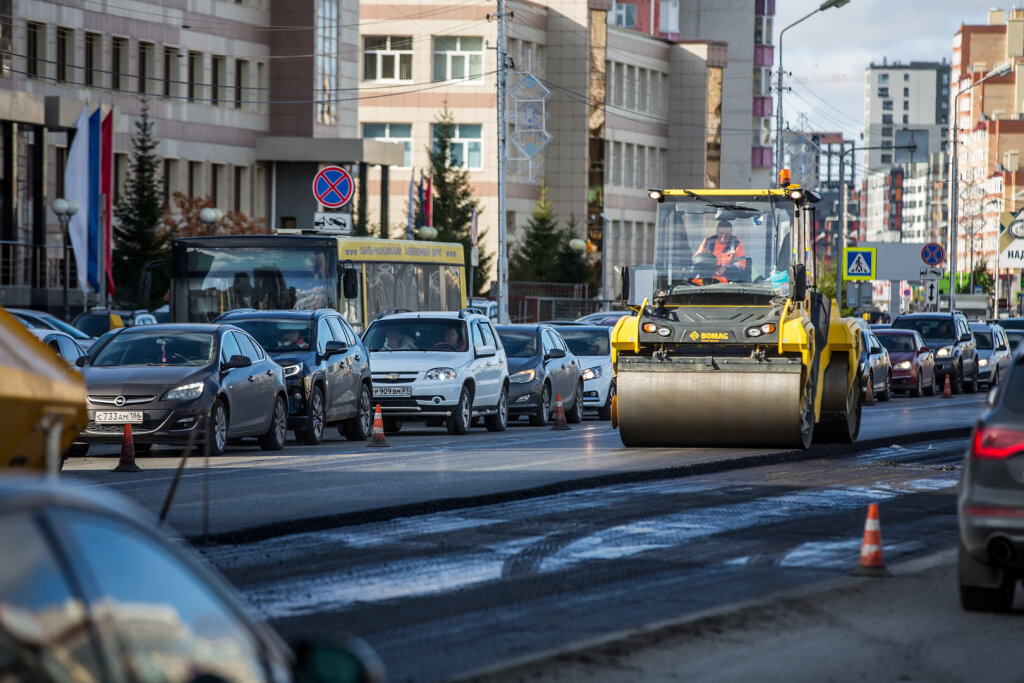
(990, 505)
(326, 369)
(949, 336)
(170, 380)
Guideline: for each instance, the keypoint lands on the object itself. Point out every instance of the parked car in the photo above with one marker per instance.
(541, 368)
(880, 326)
(1011, 323)
(64, 345)
(993, 352)
(72, 613)
(949, 336)
(990, 502)
(485, 307)
(172, 379)
(98, 321)
(602, 318)
(444, 366)
(1013, 337)
(591, 344)
(875, 367)
(48, 321)
(326, 369)
(913, 363)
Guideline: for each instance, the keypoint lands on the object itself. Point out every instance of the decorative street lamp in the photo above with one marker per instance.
(65, 209)
(576, 244)
(211, 217)
(954, 179)
(828, 4)
(427, 232)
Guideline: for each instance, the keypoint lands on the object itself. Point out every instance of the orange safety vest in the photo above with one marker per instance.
(728, 253)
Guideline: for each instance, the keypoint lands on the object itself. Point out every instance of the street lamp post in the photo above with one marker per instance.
(65, 209)
(954, 178)
(828, 4)
(211, 217)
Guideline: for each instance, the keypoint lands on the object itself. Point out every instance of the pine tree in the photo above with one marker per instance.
(536, 258)
(453, 198)
(138, 238)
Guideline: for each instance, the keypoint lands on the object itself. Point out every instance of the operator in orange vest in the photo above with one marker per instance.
(727, 250)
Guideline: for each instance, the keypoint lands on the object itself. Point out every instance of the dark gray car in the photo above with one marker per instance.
(541, 368)
(993, 352)
(990, 505)
(170, 380)
(949, 336)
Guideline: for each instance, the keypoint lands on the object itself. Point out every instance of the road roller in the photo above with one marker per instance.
(735, 346)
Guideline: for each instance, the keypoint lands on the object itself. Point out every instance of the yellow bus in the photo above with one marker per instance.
(362, 277)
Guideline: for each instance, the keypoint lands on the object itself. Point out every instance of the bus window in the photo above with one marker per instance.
(431, 290)
(452, 288)
(352, 309)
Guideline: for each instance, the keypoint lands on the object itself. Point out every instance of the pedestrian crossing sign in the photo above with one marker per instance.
(860, 263)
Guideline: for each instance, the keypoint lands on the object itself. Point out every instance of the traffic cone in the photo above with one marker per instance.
(871, 563)
(946, 391)
(378, 430)
(869, 397)
(560, 422)
(127, 463)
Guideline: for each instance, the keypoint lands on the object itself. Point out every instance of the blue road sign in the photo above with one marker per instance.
(333, 187)
(932, 254)
(860, 263)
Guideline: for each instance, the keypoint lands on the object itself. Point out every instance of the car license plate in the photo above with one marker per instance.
(132, 416)
(392, 391)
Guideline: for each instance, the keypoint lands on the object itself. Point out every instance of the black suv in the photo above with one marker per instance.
(956, 351)
(326, 368)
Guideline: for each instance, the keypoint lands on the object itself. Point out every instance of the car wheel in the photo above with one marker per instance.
(499, 421)
(461, 418)
(360, 427)
(217, 429)
(918, 390)
(543, 414)
(956, 380)
(605, 411)
(392, 425)
(995, 379)
(77, 450)
(886, 392)
(273, 439)
(575, 414)
(933, 386)
(314, 431)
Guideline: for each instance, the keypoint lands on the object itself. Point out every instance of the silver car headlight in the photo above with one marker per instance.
(186, 392)
(523, 377)
(441, 374)
(905, 365)
(292, 370)
(592, 373)
(982, 362)
(944, 352)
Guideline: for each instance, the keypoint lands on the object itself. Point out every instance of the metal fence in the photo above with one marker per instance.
(40, 266)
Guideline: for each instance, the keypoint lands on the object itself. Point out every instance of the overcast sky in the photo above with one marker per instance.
(828, 53)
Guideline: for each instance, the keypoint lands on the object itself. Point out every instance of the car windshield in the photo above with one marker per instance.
(897, 342)
(586, 342)
(416, 334)
(1014, 337)
(93, 324)
(278, 335)
(984, 340)
(929, 328)
(156, 347)
(519, 343)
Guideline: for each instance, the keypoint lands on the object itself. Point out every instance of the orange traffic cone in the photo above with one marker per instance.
(378, 430)
(869, 397)
(560, 422)
(127, 463)
(946, 391)
(871, 563)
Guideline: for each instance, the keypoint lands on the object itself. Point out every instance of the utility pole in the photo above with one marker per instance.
(503, 317)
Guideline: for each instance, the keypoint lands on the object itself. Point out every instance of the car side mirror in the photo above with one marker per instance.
(965, 337)
(349, 661)
(798, 281)
(81, 361)
(237, 361)
(1001, 347)
(876, 349)
(482, 351)
(555, 353)
(992, 396)
(333, 348)
(924, 349)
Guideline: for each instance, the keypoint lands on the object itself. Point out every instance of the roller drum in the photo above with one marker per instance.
(671, 404)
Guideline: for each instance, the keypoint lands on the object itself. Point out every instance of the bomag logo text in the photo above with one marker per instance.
(713, 336)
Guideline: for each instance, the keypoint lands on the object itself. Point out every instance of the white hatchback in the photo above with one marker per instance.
(591, 344)
(438, 366)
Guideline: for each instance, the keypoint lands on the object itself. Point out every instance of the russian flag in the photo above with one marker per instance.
(76, 187)
(95, 205)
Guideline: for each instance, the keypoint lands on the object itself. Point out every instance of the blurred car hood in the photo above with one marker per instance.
(415, 361)
(517, 364)
(593, 361)
(284, 358)
(985, 353)
(156, 379)
(900, 356)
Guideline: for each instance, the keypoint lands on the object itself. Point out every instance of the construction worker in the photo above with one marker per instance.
(727, 251)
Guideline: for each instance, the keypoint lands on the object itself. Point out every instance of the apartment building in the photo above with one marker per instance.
(248, 97)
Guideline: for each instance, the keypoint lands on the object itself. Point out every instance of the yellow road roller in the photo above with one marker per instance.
(735, 346)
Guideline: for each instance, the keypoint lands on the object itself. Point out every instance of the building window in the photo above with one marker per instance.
(261, 92)
(218, 75)
(669, 19)
(883, 78)
(241, 82)
(887, 130)
(326, 61)
(886, 158)
(399, 133)
(219, 184)
(195, 180)
(118, 62)
(630, 81)
(195, 75)
(906, 77)
(387, 58)
(93, 57)
(242, 198)
(762, 30)
(906, 118)
(887, 118)
(625, 15)
(146, 51)
(466, 145)
(458, 58)
(171, 71)
(6, 42)
(172, 182)
(35, 46)
(906, 92)
(906, 105)
(887, 105)
(65, 52)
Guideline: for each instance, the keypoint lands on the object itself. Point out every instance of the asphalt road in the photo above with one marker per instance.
(249, 493)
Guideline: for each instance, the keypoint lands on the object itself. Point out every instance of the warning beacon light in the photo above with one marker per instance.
(783, 177)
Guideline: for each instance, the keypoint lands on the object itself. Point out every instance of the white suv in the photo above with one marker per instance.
(439, 367)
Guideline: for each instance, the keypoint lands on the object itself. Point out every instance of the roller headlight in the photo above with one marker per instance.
(522, 377)
(905, 365)
(440, 374)
(592, 373)
(664, 331)
(186, 392)
(650, 327)
(983, 362)
(292, 370)
(945, 352)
